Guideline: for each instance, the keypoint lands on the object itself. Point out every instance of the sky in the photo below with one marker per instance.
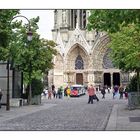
(46, 21)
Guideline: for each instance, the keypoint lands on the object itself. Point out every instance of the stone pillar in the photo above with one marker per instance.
(111, 76)
(78, 18)
(73, 20)
(82, 19)
(64, 17)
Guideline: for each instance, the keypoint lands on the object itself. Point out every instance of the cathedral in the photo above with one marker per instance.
(83, 56)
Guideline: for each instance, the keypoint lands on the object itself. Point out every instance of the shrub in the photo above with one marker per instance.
(37, 87)
(132, 87)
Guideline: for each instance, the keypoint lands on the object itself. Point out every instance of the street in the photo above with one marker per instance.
(64, 114)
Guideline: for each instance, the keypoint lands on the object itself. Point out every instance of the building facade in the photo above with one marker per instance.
(83, 56)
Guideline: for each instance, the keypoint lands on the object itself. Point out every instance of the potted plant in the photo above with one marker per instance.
(37, 88)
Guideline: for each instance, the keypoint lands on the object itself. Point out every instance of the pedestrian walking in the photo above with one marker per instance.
(53, 87)
(68, 92)
(121, 91)
(115, 91)
(65, 91)
(49, 94)
(53, 91)
(0, 97)
(59, 92)
(103, 92)
(91, 92)
(126, 93)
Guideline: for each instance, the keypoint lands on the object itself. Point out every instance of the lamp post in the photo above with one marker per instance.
(30, 71)
(29, 38)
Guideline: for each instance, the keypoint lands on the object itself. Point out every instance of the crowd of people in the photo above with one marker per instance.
(52, 92)
(117, 92)
(120, 92)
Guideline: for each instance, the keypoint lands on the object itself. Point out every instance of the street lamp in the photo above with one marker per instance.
(29, 38)
(29, 35)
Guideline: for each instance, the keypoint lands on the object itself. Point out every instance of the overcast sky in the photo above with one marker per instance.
(46, 21)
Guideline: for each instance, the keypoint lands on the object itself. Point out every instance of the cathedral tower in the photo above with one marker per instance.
(83, 56)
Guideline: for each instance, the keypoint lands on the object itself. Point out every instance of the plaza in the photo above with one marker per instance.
(72, 114)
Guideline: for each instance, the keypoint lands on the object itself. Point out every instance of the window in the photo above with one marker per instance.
(79, 64)
(107, 62)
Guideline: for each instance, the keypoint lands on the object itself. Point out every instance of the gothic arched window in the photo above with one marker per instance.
(79, 63)
(107, 62)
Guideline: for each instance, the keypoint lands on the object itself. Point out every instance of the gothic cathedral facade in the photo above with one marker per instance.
(83, 56)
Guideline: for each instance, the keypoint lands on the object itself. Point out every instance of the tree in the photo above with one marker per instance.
(5, 31)
(123, 28)
(125, 46)
(112, 20)
(31, 57)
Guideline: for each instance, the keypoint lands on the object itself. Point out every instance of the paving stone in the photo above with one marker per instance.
(63, 114)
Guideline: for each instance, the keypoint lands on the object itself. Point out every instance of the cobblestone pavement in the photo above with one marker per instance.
(65, 114)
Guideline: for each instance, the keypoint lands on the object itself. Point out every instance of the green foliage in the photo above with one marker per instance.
(126, 48)
(31, 57)
(37, 87)
(132, 87)
(110, 20)
(5, 31)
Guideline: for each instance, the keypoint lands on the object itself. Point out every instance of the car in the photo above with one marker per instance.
(77, 90)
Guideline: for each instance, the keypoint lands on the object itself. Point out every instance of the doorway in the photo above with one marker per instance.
(107, 79)
(79, 78)
(116, 79)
